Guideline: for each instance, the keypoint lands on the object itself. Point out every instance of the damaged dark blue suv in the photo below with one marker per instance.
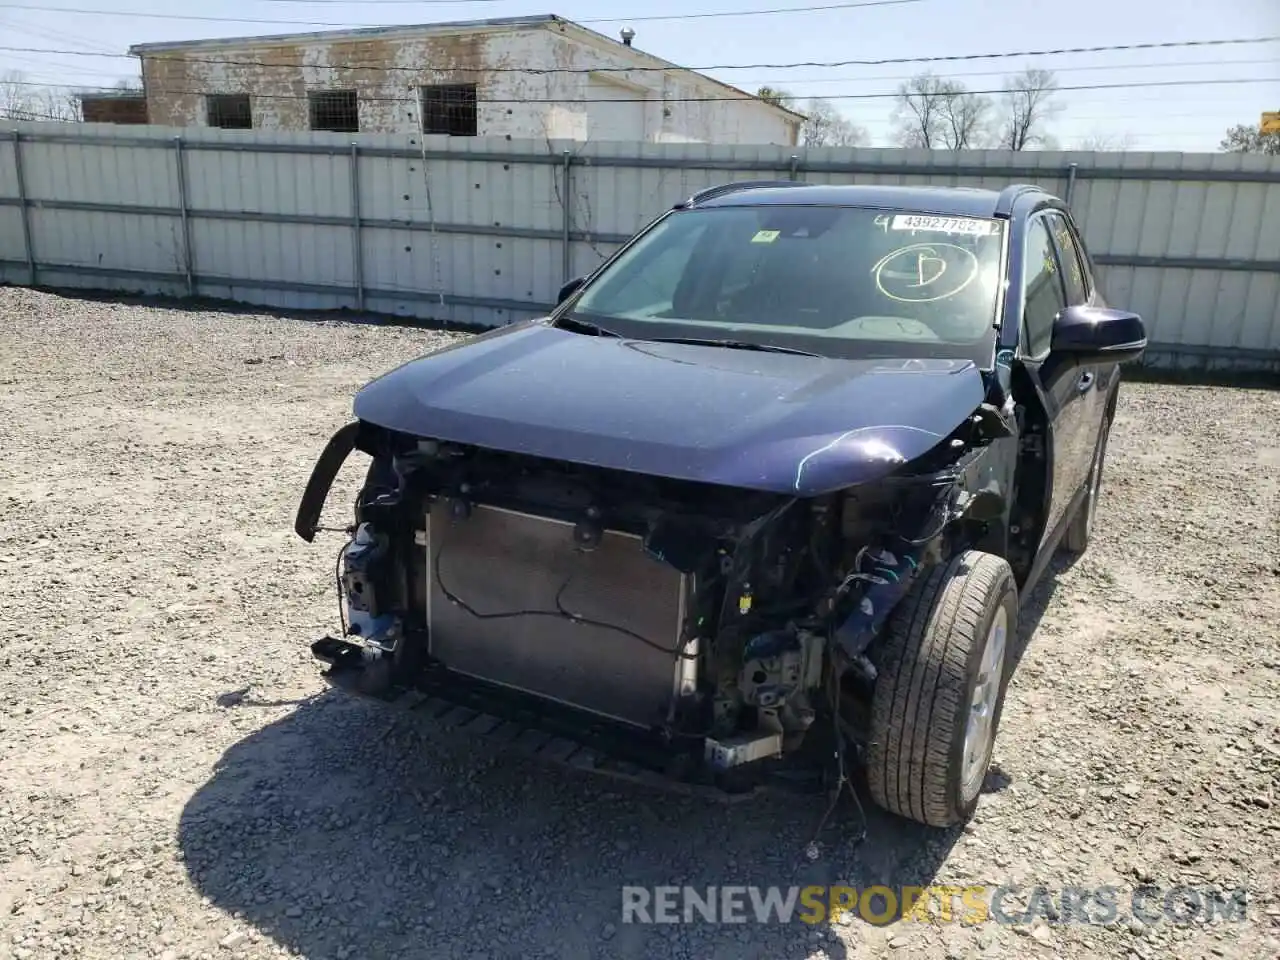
(759, 498)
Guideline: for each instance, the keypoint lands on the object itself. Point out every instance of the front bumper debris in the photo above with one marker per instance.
(547, 731)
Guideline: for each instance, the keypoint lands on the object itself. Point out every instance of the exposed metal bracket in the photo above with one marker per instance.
(743, 748)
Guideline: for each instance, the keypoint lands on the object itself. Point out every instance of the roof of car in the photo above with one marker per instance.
(945, 201)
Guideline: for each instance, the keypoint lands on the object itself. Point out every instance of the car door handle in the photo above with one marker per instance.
(1085, 382)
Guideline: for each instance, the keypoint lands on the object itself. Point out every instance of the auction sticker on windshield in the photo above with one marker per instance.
(969, 226)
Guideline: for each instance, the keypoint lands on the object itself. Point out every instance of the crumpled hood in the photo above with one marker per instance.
(765, 421)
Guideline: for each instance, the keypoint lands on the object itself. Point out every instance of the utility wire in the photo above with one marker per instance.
(324, 23)
(363, 3)
(864, 121)
(748, 13)
(1159, 65)
(748, 97)
(57, 36)
(541, 71)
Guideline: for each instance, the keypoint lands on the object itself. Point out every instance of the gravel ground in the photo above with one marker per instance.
(175, 780)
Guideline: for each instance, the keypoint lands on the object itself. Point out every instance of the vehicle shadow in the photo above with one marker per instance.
(1034, 606)
(337, 840)
(343, 830)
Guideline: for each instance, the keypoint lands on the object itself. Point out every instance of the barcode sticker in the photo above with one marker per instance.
(966, 225)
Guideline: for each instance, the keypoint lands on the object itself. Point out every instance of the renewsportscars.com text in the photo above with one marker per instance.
(972, 904)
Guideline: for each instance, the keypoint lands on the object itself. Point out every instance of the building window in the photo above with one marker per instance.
(230, 111)
(449, 108)
(335, 110)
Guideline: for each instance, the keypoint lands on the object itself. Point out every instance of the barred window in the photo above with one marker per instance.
(450, 109)
(231, 111)
(336, 110)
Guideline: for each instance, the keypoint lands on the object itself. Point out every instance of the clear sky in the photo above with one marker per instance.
(1191, 117)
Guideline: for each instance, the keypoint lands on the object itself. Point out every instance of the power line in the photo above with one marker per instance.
(61, 68)
(1160, 65)
(53, 83)
(749, 13)
(311, 3)
(324, 23)
(362, 3)
(179, 16)
(879, 78)
(798, 64)
(57, 36)
(745, 98)
(46, 68)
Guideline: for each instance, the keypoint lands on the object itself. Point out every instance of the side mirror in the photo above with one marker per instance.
(1098, 335)
(568, 289)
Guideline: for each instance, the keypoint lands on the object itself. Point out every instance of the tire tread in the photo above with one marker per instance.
(924, 656)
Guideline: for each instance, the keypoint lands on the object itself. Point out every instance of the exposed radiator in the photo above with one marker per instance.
(500, 562)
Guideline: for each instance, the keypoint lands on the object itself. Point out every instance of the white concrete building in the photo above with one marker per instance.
(519, 77)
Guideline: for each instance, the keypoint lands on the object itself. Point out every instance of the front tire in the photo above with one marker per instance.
(942, 673)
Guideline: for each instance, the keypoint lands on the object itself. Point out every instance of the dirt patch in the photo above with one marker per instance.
(176, 782)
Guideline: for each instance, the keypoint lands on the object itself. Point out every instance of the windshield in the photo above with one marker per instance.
(835, 281)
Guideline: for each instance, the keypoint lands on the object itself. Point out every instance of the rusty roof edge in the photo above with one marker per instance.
(655, 60)
(355, 33)
(534, 21)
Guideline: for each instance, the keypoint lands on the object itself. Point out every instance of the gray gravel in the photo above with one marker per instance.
(176, 782)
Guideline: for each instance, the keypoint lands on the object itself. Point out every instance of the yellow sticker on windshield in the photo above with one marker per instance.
(766, 236)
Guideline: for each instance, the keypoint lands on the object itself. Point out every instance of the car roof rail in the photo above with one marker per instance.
(726, 188)
(1011, 194)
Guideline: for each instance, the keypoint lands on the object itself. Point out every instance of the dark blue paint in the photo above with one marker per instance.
(942, 201)
(1099, 334)
(777, 422)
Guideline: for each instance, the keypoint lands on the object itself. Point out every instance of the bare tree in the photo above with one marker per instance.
(21, 100)
(1250, 139)
(1026, 106)
(964, 117)
(13, 95)
(940, 114)
(918, 114)
(824, 125)
(1103, 142)
(58, 106)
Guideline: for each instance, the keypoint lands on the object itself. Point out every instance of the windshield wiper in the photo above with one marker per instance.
(734, 345)
(570, 322)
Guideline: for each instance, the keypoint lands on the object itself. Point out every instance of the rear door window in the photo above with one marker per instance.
(1072, 259)
(1043, 294)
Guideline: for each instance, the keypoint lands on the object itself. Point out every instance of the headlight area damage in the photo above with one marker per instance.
(640, 625)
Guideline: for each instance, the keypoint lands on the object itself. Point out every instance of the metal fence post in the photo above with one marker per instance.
(27, 247)
(357, 254)
(1071, 183)
(188, 258)
(566, 223)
